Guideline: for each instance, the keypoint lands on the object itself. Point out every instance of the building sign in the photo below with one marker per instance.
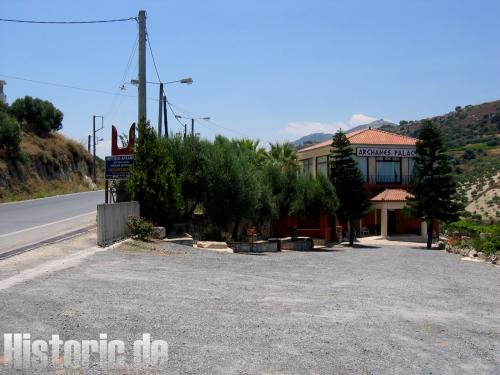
(389, 152)
(117, 167)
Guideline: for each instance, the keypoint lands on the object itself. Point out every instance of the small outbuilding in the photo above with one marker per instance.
(388, 210)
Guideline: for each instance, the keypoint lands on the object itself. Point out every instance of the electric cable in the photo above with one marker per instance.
(68, 22)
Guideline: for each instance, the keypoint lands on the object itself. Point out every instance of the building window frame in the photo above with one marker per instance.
(307, 166)
(322, 163)
(387, 178)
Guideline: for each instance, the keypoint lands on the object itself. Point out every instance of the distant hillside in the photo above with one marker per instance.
(471, 124)
(311, 139)
(45, 166)
(472, 134)
(374, 125)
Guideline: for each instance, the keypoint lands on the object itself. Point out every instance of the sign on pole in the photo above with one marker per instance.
(118, 167)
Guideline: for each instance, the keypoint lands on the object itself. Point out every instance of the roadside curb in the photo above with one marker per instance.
(49, 241)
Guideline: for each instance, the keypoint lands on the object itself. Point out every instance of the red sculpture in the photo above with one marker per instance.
(129, 150)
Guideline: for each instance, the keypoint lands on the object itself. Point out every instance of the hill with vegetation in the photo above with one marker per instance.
(311, 139)
(374, 125)
(35, 159)
(472, 135)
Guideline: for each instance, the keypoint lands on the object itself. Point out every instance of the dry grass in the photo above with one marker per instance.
(46, 166)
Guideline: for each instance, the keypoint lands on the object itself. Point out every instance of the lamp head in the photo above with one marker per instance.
(187, 81)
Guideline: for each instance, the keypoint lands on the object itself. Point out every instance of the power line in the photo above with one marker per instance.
(71, 87)
(216, 124)
(122, 82)
(187, 112)
(68, 22)
(153, 57)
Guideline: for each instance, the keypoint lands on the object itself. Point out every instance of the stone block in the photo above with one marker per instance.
(159, 232)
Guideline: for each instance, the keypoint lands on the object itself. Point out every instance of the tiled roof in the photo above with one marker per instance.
(392, 195)
(379, 137)
(370, 137)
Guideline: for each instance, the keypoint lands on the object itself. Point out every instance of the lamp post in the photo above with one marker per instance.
(192, 121)
(162, 105)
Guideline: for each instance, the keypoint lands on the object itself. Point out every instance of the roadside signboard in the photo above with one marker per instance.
(117, 167)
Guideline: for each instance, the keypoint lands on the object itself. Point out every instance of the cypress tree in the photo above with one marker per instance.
(435, 196)
(349, 183)
(153, 181)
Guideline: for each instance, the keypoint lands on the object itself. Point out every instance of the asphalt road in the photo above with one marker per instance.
(32, 221)
(378, 310)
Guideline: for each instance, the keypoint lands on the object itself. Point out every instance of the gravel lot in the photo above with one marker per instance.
(378, 310)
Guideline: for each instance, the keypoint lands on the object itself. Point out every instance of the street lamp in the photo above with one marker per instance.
(162, 101)
(192, 121)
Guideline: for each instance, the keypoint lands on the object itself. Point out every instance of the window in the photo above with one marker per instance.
(362, 165)
(411, 165)
(306, 166)
(323, 165)
(388, 170)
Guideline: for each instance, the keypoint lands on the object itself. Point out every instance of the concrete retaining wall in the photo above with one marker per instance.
(254, 247)
(112, 220)
(297, 244)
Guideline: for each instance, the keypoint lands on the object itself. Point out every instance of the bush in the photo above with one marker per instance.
(140, 228)
(153, 181)
(489, 245)
(37, 116)
(10, 134)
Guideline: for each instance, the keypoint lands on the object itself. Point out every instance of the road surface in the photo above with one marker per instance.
(365, 310)
(27, 223)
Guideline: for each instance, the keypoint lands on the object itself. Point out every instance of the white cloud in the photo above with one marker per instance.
(300, 129)
(360, 119)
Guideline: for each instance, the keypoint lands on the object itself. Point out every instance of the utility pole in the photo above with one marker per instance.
(165, 118)
(93, 164)
(88, 144)
(142, 65)
(95, 140)
(192, 127)
(160, 109)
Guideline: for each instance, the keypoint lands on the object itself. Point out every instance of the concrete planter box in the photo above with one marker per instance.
(254, 247)
(297, 243)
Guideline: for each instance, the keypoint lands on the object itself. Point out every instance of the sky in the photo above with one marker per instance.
(272, 70)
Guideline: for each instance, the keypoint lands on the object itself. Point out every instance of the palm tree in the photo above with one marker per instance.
(283, 155)
(259, 153)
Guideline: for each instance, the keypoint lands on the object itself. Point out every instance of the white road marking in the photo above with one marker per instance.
(51, 197)
(46, 225)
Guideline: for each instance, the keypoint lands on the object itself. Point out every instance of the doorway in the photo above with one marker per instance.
(391, 222)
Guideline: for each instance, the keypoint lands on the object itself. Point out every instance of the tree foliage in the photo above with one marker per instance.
(10, 134)
(230, 191)
(153, 181)
(435, 188)
(37, 116)
(188, 155)
(284, 156)
(348, 181)
(233, 182)
(295, 195)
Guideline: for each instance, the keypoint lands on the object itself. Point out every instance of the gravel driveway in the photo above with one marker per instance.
(372, 310)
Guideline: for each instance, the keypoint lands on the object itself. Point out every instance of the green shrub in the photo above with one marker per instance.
(37, 116)
(489, 245)
(153, 181)
(10, 134)
(140, 228)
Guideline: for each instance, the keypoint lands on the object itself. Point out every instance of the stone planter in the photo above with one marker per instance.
(297, 243)
(255, 247)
